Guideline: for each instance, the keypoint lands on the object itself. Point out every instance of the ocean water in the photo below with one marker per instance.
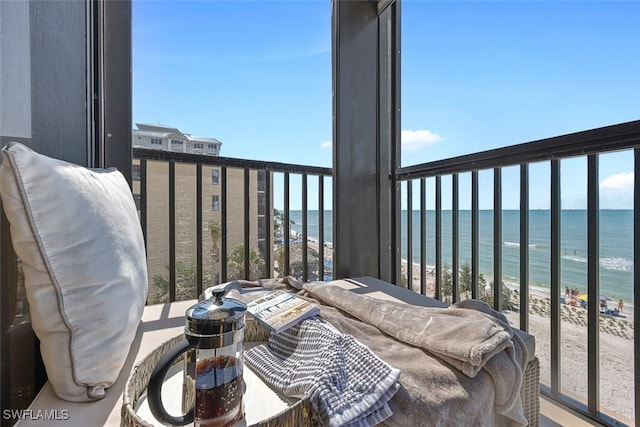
(616, 245)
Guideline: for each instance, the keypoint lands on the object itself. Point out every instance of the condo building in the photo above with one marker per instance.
(162, 137)
(260, 210)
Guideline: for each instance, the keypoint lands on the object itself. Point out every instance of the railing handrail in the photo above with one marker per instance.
(164, 155)
(610, 138)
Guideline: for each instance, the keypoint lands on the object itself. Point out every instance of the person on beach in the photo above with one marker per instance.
(620, 305)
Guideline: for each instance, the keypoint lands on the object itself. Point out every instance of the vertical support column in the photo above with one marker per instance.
(366, 139)
(116, 77)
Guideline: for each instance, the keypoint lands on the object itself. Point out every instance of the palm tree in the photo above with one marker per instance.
(278, 223)
(216, 234)
(185, 284)
(235, 264)
(447, 284)
(280, 261)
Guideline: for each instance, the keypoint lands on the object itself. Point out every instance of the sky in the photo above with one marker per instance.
(256, 75)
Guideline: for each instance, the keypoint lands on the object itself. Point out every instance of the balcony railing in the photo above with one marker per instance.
(254, 239)
(258, 225)
(590, 144)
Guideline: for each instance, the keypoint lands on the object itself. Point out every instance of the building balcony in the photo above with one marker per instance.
(210, 219)
(252, 232)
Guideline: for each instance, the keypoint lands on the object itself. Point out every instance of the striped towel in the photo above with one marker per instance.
(347, 384)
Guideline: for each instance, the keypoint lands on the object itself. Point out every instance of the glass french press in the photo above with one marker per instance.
(213, 365)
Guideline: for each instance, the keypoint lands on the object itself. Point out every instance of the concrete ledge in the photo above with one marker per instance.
(159, 324)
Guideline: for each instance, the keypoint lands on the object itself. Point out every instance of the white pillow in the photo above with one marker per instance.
(79, 238)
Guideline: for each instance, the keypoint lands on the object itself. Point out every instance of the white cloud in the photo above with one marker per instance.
(619, 183)
(326, 144)
(616, 191)
(418, 139)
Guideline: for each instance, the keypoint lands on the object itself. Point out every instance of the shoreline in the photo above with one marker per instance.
(534, 290)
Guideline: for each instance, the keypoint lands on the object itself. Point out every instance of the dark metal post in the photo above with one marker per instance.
(555, 277)
(320, 227)
(410, 235)
(475, 236)
(268, 221)
(455, 256)
(423, 236)
(247, 225)
(636, 280)
(143, 199)
(524, 246)
(199, 229)
(305, 230)
(287, 227)
(438, 273)
(366, 137)
(172, 231)
(593, 286)
(223, 224)
(497, 238)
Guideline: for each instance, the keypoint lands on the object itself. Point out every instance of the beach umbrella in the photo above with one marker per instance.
(585, 297)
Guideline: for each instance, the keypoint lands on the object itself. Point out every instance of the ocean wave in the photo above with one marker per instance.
(609, 263)
(517, 245)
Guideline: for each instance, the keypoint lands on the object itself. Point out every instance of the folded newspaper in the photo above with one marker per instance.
(280, 310)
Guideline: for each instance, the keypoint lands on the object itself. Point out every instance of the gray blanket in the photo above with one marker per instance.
(459, 366)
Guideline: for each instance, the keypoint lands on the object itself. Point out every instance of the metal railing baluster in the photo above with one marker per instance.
(224, 239)
(524, 247)
(475, 236)
(410, 235)
(320, 227)
(455, 232)
(438, 238)
(423, 236)
(172, 231)
(555, 278)
(305, 229)
(497, 238)
(593, 285)
(199, 229)
(287, 226)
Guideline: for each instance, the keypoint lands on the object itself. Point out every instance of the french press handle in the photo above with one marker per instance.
(154, 392)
